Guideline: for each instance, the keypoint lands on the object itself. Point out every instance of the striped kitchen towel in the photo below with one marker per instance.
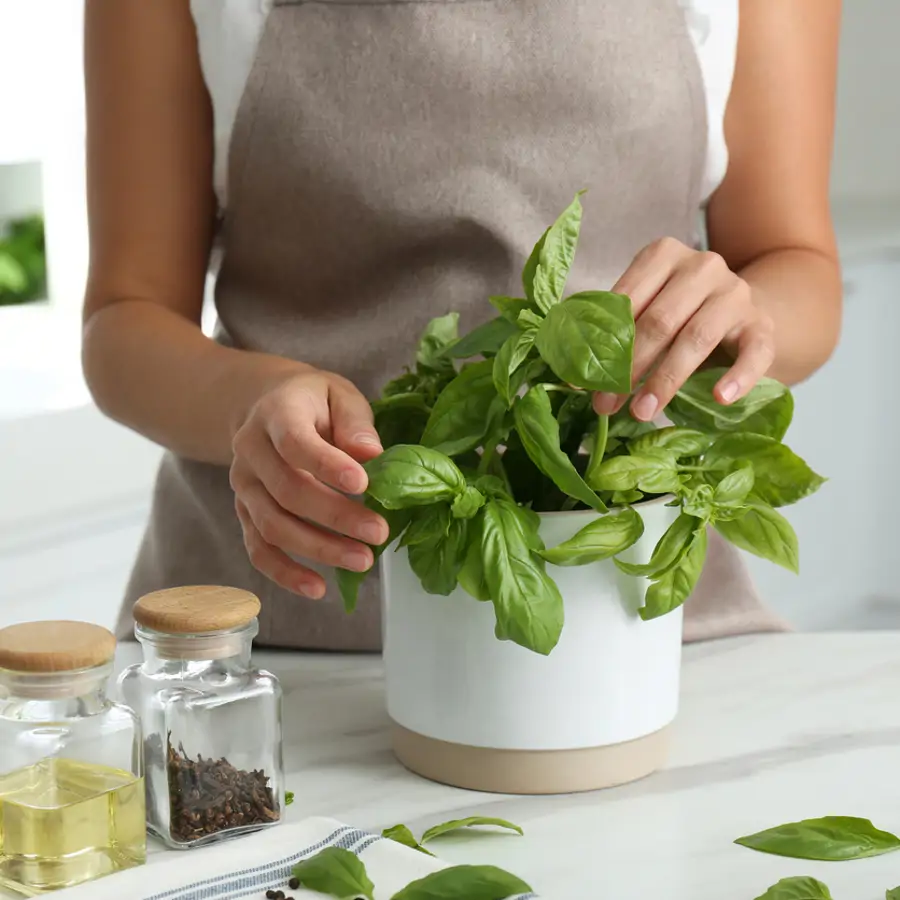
(245, 868)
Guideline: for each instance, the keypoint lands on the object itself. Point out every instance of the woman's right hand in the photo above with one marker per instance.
(296, 457)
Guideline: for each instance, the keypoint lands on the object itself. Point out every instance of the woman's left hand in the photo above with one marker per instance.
(687, 303)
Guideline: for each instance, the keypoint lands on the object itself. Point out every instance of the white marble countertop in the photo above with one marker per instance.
(771, 730)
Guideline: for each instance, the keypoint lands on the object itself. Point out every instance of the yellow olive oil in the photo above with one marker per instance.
(64, 822)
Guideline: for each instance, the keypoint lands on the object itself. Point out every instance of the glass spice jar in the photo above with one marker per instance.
(71, 785)
(211, 721)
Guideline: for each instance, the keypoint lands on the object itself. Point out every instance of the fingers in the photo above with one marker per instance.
(756, 353)
(275, 564)
(291, 427)
(649, 271)
(352, 423)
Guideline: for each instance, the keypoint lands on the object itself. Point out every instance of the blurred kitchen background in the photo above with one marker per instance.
(74, 488)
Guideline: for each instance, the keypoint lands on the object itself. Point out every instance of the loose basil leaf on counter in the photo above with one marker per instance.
(679, 442)
(527, 602)
(483, 340)
(668, 551)
(439, 334)
(555, 257)
(601, 539)
(670, 590)
(764, 532)
(803, 888)
(288, 798)
(413, 476)
(782, 478)
(539, 433)
(465, 883)
(830, 838)
(653, 474)
(599, 441)
(893, 895)
(349, 582)
(470, 822)
(402, 835)
(694, 406)
(335, 872)
(437, 563)
(461, 414)
(588, 341)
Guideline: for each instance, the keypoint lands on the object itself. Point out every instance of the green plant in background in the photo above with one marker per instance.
(23, 264)
(493, 427)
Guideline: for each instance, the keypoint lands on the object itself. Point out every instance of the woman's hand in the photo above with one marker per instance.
(687, 303)
(295, 457)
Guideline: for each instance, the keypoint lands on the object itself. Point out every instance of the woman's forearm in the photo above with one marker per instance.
(156, 372)
(801, 290)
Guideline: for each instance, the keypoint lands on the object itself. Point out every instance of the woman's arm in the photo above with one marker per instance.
(766, 298)
(770, 219)
(151, 212)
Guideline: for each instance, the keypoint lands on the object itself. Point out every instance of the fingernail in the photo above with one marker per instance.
(729, 391)
(349, 481)
(645, 407)
(371, 534)
(604, 404)
(311, 589)
(355, 562)
(368, 438)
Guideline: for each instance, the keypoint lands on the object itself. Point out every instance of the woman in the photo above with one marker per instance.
(382, 162)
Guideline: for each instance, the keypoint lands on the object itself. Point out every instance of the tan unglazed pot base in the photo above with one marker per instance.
(530, 771)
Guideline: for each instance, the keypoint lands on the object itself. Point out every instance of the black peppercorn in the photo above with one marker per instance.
(294, 883)
(270, 895)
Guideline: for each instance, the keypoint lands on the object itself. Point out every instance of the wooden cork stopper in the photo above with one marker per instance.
(55, 646)
(196, 610)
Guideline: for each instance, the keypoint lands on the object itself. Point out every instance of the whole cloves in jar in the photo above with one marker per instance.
(211, 720)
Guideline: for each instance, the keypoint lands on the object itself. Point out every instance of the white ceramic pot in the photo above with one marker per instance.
(476, 712)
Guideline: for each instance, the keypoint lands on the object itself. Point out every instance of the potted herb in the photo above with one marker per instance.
(519, 514)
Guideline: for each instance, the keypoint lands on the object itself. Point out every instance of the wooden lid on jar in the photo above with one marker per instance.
(55, 646)
(196, 610)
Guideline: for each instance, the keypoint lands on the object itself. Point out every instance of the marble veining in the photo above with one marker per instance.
(771, 729)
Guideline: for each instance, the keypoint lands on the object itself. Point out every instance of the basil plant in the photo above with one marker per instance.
(490, 428)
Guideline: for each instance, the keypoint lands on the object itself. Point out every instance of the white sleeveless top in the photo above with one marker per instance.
(228, 31)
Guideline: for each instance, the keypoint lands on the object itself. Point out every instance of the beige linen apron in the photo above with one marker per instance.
(393, 160)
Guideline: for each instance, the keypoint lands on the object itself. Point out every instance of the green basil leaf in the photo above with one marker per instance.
(588, 341)
(600, 438)
(694, 406)
(601, 539)
(439, 335)
(626, 498)
(529, 320)
(470, 822)
(803, 888)
(461, 414)
(831, 838)
(484, 340)
(764, 532)
(527, 602)
(472, 577)
(773, 420)
(893, 895)
(428, 525)
(437, 563)
(335, 872)
(556, 256)
(465, 883)
(349, 582)
(530, 269)
(782, 478)
(622, 425)
(656, 474)
(668, 551)
(400, 834)
(409, 475)
(288, 798)
(680, 442)
(677, 584)
(468, 503)
(539, 432)
(511, 307)
(733, 489)
(512, 354)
